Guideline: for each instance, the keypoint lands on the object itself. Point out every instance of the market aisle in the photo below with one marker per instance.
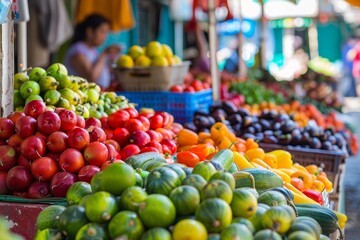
(352, 189)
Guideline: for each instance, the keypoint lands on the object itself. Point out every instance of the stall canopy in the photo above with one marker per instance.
(355, 3)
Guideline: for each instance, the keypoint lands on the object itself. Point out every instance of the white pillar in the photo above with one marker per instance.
(213, 49)
(179, 39)
(21, 46)
(6, 66)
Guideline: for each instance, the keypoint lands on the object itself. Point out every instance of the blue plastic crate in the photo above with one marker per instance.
(181, 105)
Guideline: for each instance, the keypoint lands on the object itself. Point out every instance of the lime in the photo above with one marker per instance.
(29, 88)
(63, 103)
(82, 111)
(52, 97)
(71, 220)
(189, 229)
(50, 108)
(117, 173)
(131, 198)
(77, 191)
(100, 207)
(19, 79)
(94, 113)
(139, 180)
(48, 83)
(157, 211)
(92, 231)
(56, 70)
(126, 224)
(36, 74)
(93, 95)
(18, 100)
(74, 83)
(49, 217)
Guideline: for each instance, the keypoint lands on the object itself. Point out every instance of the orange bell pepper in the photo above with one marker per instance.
(187, 137)
(202, 150)
(306, 177)
(218, 130)
(270, 160)
(188, 158)
(255, 153)
(251, 144)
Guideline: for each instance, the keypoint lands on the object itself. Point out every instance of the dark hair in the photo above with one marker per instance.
(92, 21)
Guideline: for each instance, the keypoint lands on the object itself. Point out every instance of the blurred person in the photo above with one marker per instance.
(203, 60)
(348, 81)
(83, 58)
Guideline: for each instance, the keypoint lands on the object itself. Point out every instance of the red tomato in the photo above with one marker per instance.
(170, 144)
(44, 168)
(156, 121)
(197, 85)
(189, 89)
(177, 88)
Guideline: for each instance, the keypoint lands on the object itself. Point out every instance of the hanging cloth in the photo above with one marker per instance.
(119, 12)
(203, 4)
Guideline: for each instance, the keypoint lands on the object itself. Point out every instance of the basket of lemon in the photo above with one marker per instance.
(150, 68)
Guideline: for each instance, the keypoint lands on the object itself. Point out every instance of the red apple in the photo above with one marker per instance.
(39, 190)
(96, 134)
(166, 133)
(41, 135)
(129, 150)
(80, 122)
(87, 172)
(48, 122)
(96, 153)
(19, 179)
(23, 161)
(26, 126)
(104, 123)
(92, 122)
(7, 158)
(32, 148)
(140, 138)
(114, 143)
(118, 119)
(15, 142)
(113, 154)
(7, 128)
(156, 121)
(44, 169)
(145, 122)
(58, 110)
(61, 183)
(55, 156)
(109, 133)
(154, 135)
(189, 89)
(133, 125)
(57, 142)
(3, 188)
(108, 162)
(132, 111)
(68, 120)
(14, 116)
(78, 138)
(156, 145)
(149, 149)
(71, 160)
(177, 88)
(34, 108)
(121, 135)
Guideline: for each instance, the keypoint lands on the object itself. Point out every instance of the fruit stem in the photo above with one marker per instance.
(340, 231)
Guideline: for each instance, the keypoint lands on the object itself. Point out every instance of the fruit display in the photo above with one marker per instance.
(153, 54)
(269, 127)
(176, 202)
(56, 88)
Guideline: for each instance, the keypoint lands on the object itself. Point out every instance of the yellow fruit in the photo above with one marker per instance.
(177, 59)
(125, 61)
(154, 49)
(159, 61)
(135, 51)
(142, 61)
(167, 51)
(189, 229)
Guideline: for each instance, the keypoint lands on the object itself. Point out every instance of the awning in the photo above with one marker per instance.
(355, 3)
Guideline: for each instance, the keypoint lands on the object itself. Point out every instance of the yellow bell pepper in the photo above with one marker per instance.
(306, 177)
(328, 184)
(300, 167)
(241, 162)
(287, 171)
(284, 176)
(260, 162)
(313, 169)
(317, 185)
(283, 158)
(271, 160)
(342, 219)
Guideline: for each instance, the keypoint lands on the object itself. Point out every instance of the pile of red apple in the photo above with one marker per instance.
(42, 152)
(193, 86)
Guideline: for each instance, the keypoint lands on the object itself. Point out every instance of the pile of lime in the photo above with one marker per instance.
(58, 89)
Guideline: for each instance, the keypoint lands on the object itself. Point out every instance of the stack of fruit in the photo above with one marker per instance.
(58, 89)
(153, 54)
(176, 202)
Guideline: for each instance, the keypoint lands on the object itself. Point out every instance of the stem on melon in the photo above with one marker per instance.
(291, 203)
(240, 175)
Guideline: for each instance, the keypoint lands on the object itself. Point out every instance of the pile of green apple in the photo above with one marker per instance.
(56, 88)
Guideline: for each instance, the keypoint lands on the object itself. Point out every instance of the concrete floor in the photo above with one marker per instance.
(351, 181)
